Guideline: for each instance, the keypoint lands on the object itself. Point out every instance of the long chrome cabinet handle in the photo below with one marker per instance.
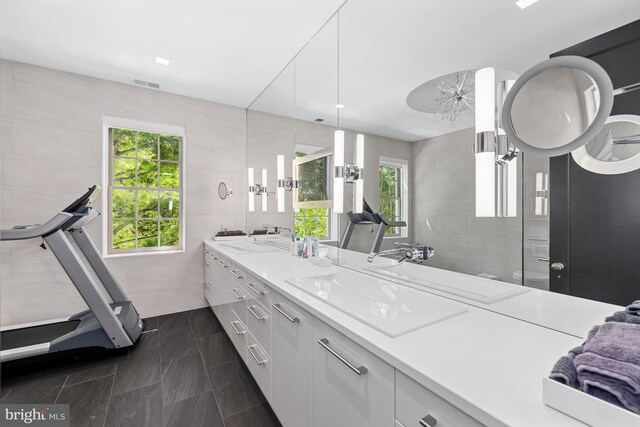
(235, 294)
(233, 325)
(278, 307)
(259, 362)
(255, 289)
(428, 421)
(252, 308)
(235, 273)
(324, 342)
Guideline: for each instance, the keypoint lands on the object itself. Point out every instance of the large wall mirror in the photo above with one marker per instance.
(440, 182)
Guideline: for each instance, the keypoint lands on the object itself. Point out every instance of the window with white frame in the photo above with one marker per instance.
(145, 197)
(393, 191)
(317, 222)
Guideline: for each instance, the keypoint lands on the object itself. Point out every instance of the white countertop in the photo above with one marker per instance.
(488, 364)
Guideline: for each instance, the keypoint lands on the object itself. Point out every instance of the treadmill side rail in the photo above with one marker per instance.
(88, 289)
(20, 352)
(25, 233)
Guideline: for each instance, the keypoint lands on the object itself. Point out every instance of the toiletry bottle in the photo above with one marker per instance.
(299, 246)
(294, 246)
(315, 247)
(305, 247)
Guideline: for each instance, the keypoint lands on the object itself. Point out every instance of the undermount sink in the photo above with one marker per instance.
(390, 308)
(246, 247)
(474, 288)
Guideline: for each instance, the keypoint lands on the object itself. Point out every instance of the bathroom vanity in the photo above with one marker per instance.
(330, 346)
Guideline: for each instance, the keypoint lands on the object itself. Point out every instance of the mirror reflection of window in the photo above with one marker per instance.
(312, 179)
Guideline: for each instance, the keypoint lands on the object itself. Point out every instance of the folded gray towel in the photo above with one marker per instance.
(624, 317)
(596, 387)
(565, 372)
(622, 375)
(634, 308)
(617, 341)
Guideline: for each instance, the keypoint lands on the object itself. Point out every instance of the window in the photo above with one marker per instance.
(393, 193)
(312, 221)
(145, 182)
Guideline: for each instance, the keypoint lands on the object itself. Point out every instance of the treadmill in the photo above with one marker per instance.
(368, 216)
(104, 325)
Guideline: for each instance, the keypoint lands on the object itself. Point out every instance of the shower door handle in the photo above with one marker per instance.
(557, 266)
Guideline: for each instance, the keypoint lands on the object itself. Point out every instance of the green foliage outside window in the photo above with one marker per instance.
(308, 221)
(145, 189)
(390, 195)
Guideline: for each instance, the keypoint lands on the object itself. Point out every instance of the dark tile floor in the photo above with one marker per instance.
(182, 372)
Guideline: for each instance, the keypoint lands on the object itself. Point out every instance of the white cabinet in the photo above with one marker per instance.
(417, 406)
(291, 352)
(351, 387)
(237, 332)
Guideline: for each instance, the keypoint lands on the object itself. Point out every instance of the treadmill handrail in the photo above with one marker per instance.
(36, 231)
(386, 221)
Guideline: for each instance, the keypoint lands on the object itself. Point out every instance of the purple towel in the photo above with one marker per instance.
(624, 317)
(634, 308)
(623, 375)
(602, 389)
(564, 371)
(617, 341)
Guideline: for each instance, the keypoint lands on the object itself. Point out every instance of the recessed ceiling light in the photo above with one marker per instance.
(162, 61)
(525, 3)
(339, 106)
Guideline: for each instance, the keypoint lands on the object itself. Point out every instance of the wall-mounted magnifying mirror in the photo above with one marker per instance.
(223, 191)
(615, 150)
(558, 106)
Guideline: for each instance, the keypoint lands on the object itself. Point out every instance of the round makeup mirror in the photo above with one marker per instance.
(557, 106)
(223, 191)
(616, 148)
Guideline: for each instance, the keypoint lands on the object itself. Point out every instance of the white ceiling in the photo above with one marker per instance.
(221, 50)
(388, 49)
(228, 51)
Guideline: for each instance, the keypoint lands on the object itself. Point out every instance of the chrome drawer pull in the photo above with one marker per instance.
(259, 362)
(428, 421)
(235, 273)
(253, 287)
(235, 294)
(233, 325)
(278, 307)
(252, 308)
(207, 264)
(324, 342)
(207, 285)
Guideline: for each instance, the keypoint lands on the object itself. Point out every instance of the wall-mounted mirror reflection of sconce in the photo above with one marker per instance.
(224, 191)
(284, 183)
(348, 173)
(616, 148)
(541, 207)
(559, 105)
(257, 189)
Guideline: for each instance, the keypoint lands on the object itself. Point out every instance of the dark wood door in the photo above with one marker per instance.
(595, 219)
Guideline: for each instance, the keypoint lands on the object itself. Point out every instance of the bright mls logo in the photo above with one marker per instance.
(34, 415)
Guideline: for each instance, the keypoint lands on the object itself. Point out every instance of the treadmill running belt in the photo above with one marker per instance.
(23, 337)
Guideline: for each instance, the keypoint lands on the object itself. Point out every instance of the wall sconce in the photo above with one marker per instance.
(257, 190)
(284, 183)
(542, 194)
(495, 157)
(347, 172)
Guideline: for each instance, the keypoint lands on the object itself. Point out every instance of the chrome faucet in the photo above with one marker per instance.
(413, 252)
(278, 230)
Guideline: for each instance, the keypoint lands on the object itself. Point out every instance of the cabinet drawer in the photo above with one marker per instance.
(291, 354)
(259, 292)
(238, 333)
(259, 323)
(239, 297)
(351, 386)
(259, 365)
(208, 292)
(415, 403)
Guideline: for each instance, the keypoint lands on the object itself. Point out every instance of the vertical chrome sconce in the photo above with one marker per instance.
(347, 172)
(284, 183)
(495, 157)
(257, 189)
(542, 194)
